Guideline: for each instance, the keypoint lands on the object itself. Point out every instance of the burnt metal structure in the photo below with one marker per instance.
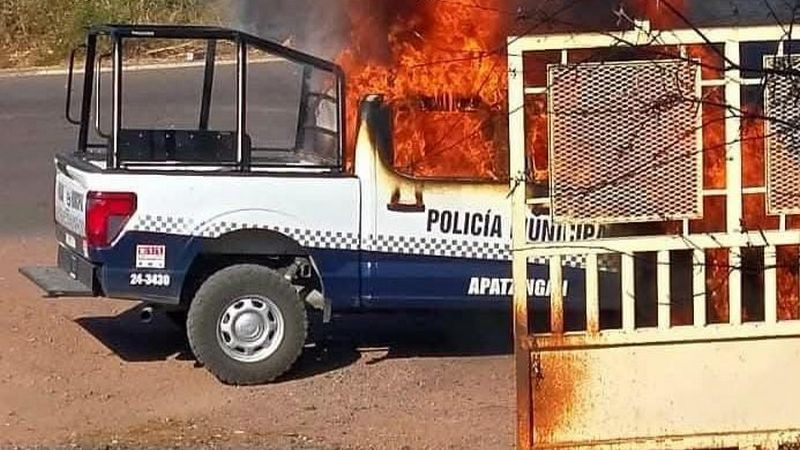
(660, 385)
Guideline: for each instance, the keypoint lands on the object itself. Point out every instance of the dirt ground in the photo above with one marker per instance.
(86, 373)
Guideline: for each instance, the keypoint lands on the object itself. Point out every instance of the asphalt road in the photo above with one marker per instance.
(33, 128)
(33, 131)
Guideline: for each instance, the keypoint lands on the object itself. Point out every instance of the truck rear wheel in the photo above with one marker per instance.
(247, 325)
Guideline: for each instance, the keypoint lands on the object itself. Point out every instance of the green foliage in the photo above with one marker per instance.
(41, 32)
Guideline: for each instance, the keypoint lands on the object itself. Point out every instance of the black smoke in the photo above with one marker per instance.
(319, 27)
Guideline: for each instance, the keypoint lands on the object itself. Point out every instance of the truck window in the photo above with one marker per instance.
(450, 138)
(292, 112)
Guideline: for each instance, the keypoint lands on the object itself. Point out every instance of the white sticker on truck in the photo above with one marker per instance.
(151, 256)
(70, 200)
(150, 279)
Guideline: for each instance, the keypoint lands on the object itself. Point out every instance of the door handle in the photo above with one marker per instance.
(406, 207)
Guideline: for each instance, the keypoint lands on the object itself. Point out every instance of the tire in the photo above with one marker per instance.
(236, 310)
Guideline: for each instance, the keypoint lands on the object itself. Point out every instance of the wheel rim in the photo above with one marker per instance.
(250, 329)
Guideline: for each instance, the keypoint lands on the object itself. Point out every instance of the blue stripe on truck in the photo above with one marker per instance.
(389, 280)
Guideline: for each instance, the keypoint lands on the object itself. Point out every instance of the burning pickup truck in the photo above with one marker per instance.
(237, 236)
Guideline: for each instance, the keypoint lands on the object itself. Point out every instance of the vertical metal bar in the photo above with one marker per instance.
(70, 73)
(699, 288)
(770, 285)
(628, 295)
(208, 83)
(113, 158)
(663, 286)
(98, 92)
(522, 354)
(303, 111)
(341, 96)
(556, 296)
(733, 97)
(699, 146)
(592, 294)
(242, 150)
(735, 286)
(86, 104)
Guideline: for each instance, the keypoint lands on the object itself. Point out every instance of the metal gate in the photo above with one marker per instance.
(687, 332)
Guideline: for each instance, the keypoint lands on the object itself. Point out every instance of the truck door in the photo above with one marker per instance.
(425, 241)
(432, 248)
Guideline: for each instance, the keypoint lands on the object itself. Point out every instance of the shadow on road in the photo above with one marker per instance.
(134, 341)
(373, 336)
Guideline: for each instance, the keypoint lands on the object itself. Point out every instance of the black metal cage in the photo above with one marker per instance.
(233, 149)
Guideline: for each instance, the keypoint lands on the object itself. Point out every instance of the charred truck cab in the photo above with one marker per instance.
(239, 214)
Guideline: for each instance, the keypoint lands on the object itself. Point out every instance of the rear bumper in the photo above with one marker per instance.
(74, 276)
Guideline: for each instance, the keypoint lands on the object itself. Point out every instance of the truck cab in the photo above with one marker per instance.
(241, 214)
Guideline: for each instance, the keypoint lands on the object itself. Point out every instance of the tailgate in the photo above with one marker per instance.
(70, 206)
(74, 276)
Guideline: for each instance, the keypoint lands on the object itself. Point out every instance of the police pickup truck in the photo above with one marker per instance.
(242, 217)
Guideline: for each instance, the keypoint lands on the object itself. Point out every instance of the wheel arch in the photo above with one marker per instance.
(260, 246)
(254, 242)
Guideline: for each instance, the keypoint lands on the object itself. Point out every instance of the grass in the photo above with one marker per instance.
(42, 32)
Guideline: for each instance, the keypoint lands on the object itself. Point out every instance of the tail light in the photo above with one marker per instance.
(106, 216)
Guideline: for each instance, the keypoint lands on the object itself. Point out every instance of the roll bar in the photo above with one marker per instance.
(118, 33)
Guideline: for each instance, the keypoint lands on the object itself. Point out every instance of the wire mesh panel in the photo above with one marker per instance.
(782, 107)
(625, 141)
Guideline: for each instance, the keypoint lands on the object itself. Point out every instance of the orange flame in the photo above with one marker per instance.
(443, 69)
(788, 282)
(537, 138)
(661, 14)
(756, 218)
(717, 268)
(714, 139)
(753, 147)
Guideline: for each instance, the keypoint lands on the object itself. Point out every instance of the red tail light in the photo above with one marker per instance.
(106, 215)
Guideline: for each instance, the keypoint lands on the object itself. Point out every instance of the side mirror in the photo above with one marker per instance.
(67, 110)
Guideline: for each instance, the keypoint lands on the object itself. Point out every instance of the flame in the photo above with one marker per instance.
(714, 216)
(714, 177)
(717, 270)
(443, 69)
(537, 137)
(755, 217)
(793, 222)
(713, 138)
(712, 63)
(755, 214)
(661, 14)
(788, 274)
(753, 147)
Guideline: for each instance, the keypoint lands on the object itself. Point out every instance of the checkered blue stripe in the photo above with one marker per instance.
(184, 226)
(433, 246)
(327, 239)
